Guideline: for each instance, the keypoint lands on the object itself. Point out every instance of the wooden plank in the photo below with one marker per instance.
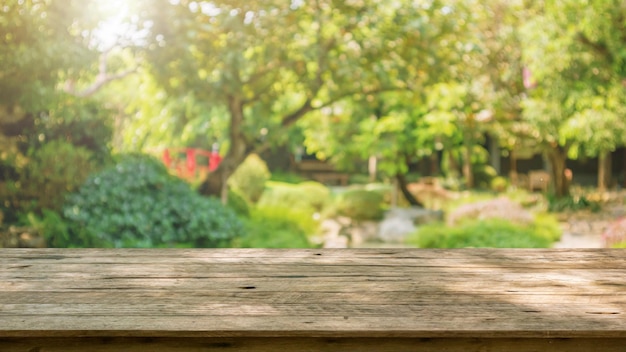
(180, 286)
(485, 325)
(193, 297)
(309, 345)
(502, 256)
(291, 294)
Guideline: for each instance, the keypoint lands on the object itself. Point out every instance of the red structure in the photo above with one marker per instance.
(191, 162)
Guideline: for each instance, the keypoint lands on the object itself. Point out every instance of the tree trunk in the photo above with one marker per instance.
(557, 156)
(604, 171)
(467, 164)
(216, 183)
(402, 183)
(624, 169)
(372, 167)
(468, 145)
(434, 164)
(494, 154)
(513, 167)
(453, 165)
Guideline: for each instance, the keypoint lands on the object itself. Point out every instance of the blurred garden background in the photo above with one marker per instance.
(322, 123)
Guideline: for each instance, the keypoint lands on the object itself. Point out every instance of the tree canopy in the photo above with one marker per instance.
(400, 81)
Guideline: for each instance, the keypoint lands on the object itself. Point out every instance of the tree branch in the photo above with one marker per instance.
(102, 78)
(296, 115)
(598, 47)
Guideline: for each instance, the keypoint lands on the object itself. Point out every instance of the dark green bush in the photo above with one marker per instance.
(52, 171)
(250, 177)
(360, 204)
(277, 227)
(137, 203)
(483, 175)
(84, 123)
(571, 203)
(490, 233)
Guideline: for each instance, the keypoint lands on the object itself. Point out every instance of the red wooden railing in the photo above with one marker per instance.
(184, 161)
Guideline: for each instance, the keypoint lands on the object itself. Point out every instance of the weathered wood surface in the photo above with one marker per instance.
(319, 300)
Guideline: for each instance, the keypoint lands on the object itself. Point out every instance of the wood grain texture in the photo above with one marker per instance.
(309, 345)
(226, 299)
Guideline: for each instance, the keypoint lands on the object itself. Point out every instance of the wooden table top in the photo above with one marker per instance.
(324, 293)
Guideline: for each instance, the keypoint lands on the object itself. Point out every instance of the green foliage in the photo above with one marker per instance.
(359, 179)
(315, 193)
(483, 175)
(547, 226)
(37, 44)
(499, 184)
(82, 122)
(307, 196)
(137, 203)
(360, 204)
(277, 227)
(238, 203)
(491, 233)
(250, 177)
(52, 171)
(286, 177)
(53, 227)
(571, 203)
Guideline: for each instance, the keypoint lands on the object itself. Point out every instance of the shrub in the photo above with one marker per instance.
(484, 175)
(307, 196)
(137, 203)
(53, 227)
(493, 233)
(277, 227)
(53, 170)
(571, 203)
(360, 204)
(499, 184)
(250, 177)
(547, 226)
(238, 203)
(316, 194)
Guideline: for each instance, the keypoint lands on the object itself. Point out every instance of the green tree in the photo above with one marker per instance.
(579, 69)
(269, 63)
(448, 96)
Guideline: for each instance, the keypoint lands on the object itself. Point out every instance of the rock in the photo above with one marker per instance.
(341, 232)
(395, 230)
(401, 222)
(336, 242)
(363, 231)
(333, 233)
(331, 227)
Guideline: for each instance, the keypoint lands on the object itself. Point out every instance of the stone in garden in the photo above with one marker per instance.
(363, 231)
(499, 208)
(401, 222)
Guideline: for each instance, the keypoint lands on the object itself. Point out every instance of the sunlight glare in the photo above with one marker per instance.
(120, 26)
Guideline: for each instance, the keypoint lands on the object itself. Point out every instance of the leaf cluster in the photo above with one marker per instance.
(137, 203)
